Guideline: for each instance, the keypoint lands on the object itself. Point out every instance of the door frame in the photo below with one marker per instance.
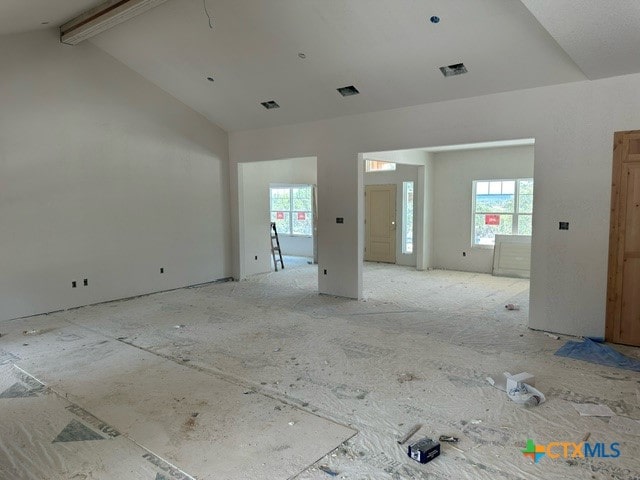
(394, 221)
(615, 260)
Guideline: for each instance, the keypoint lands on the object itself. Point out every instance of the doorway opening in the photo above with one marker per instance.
(459, 220)
(281, 192)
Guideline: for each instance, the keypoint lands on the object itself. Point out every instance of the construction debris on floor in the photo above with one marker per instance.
(290, 384)
(595, 352)
(519, 388)
(424, 450)
(409, 434)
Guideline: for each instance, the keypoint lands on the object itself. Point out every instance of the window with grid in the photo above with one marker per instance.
(407, 217)
(291, 209)
(502, 207)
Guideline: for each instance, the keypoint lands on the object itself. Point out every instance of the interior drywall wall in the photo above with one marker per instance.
(424, 214)
(256, 179)
(103, 176)
(573, 127)
(454, 173)
(406, 157)
(403, 173)
(296, 246)
(429, 216)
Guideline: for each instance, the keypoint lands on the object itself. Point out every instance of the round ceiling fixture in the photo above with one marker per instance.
(435, 19)
(302, 55)
(210, 79)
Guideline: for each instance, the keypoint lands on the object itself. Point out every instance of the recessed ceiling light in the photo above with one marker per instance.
(44, 23)
(210, 79)
(348, 91)
(435, 19)
(270, 104)
(452, 70)
(302, 55)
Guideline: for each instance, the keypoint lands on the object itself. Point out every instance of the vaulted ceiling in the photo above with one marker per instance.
(388, 49)
(17, 16)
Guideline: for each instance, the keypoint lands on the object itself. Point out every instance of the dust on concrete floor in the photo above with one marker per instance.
(417, 349)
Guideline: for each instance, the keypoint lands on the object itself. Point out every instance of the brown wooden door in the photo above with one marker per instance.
(623, 295)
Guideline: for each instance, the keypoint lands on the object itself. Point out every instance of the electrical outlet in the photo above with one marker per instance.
(161, 269)
(325, 271)
(74, 284)
(464, 254)
(564, 225)
(85, 282)
(339, 219)
(256, 257)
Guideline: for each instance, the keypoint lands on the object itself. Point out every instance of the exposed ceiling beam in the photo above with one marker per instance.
(103, 17)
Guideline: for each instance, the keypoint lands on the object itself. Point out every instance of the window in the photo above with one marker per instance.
(407, 217)
(379, 166)
(291, 209)
(502, 207)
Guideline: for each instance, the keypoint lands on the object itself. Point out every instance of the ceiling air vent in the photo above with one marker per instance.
(451, 70)
(348, 91)
(270, 104)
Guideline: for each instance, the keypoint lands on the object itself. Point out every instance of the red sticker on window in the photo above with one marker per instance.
(302, 216)
(279, 215)
(492, 219)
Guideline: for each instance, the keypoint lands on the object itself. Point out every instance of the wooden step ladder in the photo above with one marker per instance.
(275, 247)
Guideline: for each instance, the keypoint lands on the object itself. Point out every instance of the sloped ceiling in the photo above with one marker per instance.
(17, 16)
(388, 49)
(601, 36)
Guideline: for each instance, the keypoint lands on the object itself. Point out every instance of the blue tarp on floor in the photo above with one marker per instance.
(599, 353)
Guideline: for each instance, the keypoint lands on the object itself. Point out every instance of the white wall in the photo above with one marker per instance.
(403, 173)
(406, 157)
(573, 125)
(255, 179)
(296, 246)
(103, 176)
(454, 173)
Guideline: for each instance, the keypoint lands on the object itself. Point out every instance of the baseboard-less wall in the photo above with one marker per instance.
(255, 179)
(104, 177)
(573, 127)
(454, 173)
(296, 246)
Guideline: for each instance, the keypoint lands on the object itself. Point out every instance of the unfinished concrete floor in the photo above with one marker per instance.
(287, 376)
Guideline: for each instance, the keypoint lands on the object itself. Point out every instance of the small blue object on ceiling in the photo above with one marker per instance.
(590, 351)
(435, 19)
